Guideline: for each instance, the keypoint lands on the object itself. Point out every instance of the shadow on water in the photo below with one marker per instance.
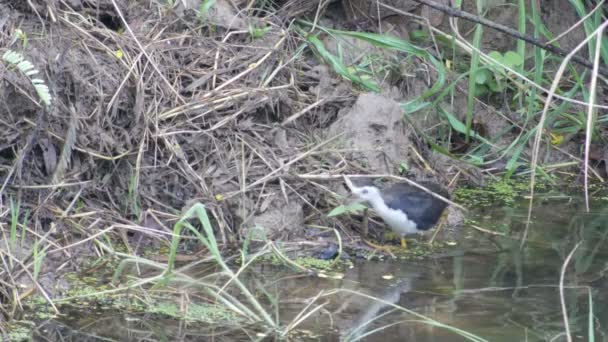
(487, 286)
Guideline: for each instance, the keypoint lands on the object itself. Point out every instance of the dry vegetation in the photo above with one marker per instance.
(157, 106)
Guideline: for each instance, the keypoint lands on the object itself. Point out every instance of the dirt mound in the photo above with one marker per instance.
(375, 130)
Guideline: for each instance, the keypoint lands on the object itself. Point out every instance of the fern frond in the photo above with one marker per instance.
(26, 67)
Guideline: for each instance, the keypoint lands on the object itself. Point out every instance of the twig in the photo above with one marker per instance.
(229, 118)
(286, 165)
(302, 112)
(487, 59)
(249, 69)
(561, 292)
(591, 112)
(217, 57)
(29, 144)
(143, 50)
(577, 24)
(34, 281)
(453, 12)
(487, 231)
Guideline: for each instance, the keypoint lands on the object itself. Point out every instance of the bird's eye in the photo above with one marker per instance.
(364, 191)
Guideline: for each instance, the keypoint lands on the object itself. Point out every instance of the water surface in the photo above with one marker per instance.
(488, 285)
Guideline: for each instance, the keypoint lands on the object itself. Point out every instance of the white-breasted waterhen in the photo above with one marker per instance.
(406, 209)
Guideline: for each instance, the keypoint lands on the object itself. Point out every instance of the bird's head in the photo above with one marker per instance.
(368, 193)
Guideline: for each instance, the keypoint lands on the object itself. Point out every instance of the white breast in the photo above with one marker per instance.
(396, 219)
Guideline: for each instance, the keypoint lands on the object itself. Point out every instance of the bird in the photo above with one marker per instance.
(404, 208)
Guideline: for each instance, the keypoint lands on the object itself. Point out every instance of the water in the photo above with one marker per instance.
(486, 285)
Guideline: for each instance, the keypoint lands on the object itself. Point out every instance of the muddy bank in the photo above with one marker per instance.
(157, 107)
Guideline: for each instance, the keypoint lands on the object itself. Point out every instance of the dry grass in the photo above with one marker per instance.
(171, 110)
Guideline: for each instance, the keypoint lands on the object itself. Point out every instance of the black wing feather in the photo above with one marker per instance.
(419, 206)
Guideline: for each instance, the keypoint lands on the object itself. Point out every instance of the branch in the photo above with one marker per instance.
(454, 12)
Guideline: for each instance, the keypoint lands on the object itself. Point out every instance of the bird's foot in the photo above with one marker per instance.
(386, 249)
(393, 236)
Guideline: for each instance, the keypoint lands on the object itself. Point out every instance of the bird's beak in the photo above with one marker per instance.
(348, 183)
(352, 198)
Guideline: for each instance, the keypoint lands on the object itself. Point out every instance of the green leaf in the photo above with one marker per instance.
(480, 90)
(458, 126)
(475, 159)
(513, 163)
(513, 59)
(482, 76)
(346, 209)
(496, 55)
(414, 106)
(418, 35)
(257, 33)
(338, 65)
(494, 86)
(203, 9)
(394, 43)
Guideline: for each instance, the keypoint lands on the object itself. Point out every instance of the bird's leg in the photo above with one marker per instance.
(365, 232)
(403, 243)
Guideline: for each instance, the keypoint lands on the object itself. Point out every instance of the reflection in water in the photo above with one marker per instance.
(370, 312)
(488, 286)
(390, 295)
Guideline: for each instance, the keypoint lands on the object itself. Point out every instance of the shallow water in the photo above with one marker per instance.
(485, 285)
